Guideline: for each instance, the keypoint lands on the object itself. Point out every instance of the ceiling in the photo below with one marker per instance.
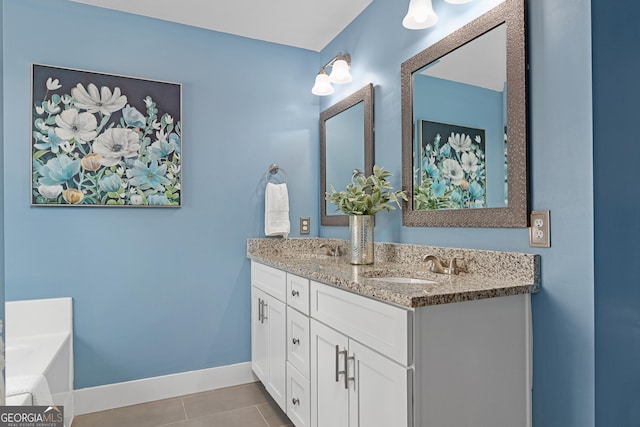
(307, 24)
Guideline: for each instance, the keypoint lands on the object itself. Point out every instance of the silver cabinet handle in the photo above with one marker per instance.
(264, 305)
(295, 401)
(338, 371)
(295, 293)
(260, 310)
(347, 378)
(295, 341)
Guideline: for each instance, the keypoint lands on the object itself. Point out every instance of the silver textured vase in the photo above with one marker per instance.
(361, 229)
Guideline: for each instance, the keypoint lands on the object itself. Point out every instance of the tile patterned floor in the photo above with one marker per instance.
(247, 405)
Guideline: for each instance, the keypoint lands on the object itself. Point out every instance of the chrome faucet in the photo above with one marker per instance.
(438, 267)
(332, 251)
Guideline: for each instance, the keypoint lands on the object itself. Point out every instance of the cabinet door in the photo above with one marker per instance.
(275, 313)
(259, 336)
(329, 397)
(379, 389)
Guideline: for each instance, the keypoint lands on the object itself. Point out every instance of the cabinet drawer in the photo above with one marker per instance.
(298, 397)
(298, 293)
(380, 326)
(298, 341)
(270, 280)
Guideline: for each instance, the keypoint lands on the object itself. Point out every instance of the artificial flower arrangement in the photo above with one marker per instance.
(91, 147)
(367, 195)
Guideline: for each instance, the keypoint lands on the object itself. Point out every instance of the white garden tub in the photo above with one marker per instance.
(39, 353)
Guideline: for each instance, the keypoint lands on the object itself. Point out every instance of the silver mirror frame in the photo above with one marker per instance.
(363, 95)
(511, 12)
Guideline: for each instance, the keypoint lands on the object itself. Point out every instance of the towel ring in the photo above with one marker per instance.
(273, 170)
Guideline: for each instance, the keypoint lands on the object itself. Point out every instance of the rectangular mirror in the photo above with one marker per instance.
(346, 144)
(464, 142)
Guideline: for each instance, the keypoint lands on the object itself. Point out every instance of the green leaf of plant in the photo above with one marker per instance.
(39, 154)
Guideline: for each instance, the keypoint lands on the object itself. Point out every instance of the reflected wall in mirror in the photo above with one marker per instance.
(464, 147)
(346, 143)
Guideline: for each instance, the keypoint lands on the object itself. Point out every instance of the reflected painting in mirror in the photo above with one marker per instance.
(459, 142)
(346, 144)
(464, 126)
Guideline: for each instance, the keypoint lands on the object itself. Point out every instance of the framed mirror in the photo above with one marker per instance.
(464, 126)
(346, 144)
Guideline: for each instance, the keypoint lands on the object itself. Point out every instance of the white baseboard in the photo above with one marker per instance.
(94, 399)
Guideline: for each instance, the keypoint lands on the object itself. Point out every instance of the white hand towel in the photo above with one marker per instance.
(276, 210)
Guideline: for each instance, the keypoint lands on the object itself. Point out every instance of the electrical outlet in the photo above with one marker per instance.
(540, 230)
(305, 225)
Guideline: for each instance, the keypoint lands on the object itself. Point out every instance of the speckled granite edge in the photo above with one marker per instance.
(515, 266)
(487, 274)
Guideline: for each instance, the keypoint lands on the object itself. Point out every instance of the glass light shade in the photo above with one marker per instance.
(340, 72)
(420, 15)
(322, 87)
(458, 1)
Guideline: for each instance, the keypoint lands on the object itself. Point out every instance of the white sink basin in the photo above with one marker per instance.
(404, 280)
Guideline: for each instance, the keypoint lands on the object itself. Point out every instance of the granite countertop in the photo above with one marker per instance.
(487, 274)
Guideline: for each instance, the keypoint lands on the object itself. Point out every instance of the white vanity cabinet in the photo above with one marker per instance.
(341, 359)
(268, 330)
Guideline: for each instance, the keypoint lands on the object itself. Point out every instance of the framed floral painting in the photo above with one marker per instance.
(450, 169)
(104, 140)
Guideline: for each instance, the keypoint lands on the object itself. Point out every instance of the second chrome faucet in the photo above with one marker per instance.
(438, 267)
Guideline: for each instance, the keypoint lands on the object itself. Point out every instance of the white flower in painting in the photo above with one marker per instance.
(174, 169)
(136, 199)
(168, 119)
(42, 126)
(156, 125)
(66, 99)
(93, 101)
(50, 191)
(469, 162)
(73, 125)
(66, 147)
(39, 109)
(161, 135)
(148, 101)
(478, 139)
(178, 186)
(115, 143)
(460, 142)
(452, 170)
(53, 84)
(52, 108)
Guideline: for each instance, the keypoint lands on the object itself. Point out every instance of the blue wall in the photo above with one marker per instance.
(561, 169)
(616, 67)
(158, 291)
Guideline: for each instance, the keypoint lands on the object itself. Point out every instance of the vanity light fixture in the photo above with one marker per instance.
(322, 87)
(420, 15)
(340, 65)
